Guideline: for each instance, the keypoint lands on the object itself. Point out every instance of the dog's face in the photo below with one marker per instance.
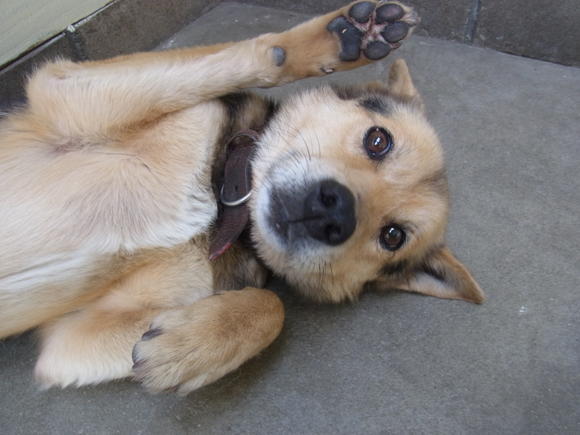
(350, 192)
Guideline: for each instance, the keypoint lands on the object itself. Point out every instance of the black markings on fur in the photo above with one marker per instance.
(376, 103)
(272, 109)
(397, 268)
(429, 270)
(389, 13)
(373, 100)
(362, 11)
(377, 50)
(350, 38)
(368, 98)
(279, 55)
(348, 92)
(429, 267)
(235, 104)
(238, 104)
(396, 31)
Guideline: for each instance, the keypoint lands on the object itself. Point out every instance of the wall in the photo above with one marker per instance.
(25, 23)
(541, 29)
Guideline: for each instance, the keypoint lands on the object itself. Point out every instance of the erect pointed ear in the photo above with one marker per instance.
(400, 83)
(443, 276)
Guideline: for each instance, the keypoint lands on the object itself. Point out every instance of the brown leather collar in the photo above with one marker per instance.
(234, 193)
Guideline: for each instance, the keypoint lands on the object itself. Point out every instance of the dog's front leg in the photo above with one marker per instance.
(187, 348)
(137, 88)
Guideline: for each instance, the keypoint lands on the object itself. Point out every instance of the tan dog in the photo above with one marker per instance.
(109, 186)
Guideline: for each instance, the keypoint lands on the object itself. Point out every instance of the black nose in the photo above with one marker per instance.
(329, 212)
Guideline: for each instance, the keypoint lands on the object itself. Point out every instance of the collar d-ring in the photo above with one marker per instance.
(239, 201)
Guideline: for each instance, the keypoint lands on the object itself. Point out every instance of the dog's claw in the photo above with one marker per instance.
(152, 333)
(135, 358)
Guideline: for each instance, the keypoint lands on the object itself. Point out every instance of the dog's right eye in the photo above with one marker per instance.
(378, 142)
(392, 237)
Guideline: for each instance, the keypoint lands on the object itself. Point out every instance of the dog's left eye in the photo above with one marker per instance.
(378, 142)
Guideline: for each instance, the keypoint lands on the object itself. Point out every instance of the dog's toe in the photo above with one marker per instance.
(389, 13)
(377, 50)
(396, 31)
(362, 12)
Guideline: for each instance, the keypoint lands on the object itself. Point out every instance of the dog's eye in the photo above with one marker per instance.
(392, 237)
(378, 143)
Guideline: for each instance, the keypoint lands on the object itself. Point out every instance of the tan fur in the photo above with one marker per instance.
(107, 205)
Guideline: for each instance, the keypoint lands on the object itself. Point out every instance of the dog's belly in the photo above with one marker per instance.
(51, 285)
(66, 214)
(57, 270)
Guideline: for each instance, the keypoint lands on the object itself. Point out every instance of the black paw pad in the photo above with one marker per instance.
(279, 55)
(362, 11)
(152, 333)
(396, 31)
(390, 12)
(350, 38)
(377, 50)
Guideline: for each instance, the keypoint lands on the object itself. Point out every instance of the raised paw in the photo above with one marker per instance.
(375, 29)
(187, 348)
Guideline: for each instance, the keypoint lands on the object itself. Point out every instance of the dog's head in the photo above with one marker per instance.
(350, 192)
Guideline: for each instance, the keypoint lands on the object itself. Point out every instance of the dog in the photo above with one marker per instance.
(145, 198)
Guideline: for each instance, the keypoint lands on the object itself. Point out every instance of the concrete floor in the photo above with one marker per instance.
(401, 363)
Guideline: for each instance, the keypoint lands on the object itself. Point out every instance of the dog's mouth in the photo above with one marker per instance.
(284, 220)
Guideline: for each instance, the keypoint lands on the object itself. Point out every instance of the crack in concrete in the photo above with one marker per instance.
(472, 19)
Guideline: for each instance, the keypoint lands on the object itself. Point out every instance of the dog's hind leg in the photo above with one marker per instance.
(107, 97)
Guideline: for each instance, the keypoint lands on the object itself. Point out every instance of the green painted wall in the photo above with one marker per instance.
(25, 23)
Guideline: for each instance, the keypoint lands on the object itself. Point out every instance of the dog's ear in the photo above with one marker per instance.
(440, 275)
(400, 83)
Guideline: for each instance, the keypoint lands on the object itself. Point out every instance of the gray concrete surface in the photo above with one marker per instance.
(540, 29)
(120, 27)
(13, 77)
(126, 26)
(533, 28)
(400, 363)
(442, 19)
